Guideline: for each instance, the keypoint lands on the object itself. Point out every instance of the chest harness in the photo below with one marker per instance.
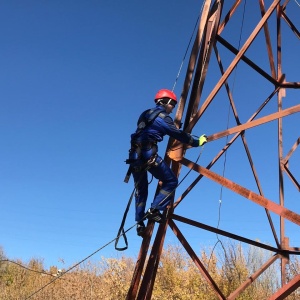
(146, 119)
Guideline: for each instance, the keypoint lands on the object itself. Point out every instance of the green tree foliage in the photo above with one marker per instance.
(177, 278)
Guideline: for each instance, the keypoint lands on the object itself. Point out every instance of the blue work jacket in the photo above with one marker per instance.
(162, 125)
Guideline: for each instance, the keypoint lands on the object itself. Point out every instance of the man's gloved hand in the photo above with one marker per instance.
(202, 139)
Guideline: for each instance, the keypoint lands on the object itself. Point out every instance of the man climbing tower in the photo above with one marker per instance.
(153, 124)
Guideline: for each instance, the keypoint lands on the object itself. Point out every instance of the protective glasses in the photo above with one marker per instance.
(172, 102)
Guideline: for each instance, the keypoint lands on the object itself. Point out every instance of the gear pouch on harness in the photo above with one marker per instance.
(142, 152)
(138, 158)
(145, 150)
(141, 156)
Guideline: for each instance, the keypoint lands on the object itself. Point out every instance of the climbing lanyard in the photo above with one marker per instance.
(121, 231)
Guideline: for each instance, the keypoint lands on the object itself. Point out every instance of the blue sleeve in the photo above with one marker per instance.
(170, 129)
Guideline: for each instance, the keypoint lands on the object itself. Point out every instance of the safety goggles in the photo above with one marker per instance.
(172, 102)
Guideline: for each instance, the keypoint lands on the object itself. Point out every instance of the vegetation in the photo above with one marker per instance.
(177, 277)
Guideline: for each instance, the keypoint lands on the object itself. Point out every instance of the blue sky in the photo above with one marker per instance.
(75, 75)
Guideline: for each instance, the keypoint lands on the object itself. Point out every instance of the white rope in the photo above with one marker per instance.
(178, 74)
(297, 3)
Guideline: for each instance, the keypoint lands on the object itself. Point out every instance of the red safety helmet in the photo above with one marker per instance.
(165, 94)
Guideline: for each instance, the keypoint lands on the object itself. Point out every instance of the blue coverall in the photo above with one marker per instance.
(144, 147)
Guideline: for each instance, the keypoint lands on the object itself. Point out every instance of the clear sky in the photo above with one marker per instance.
(75, 75)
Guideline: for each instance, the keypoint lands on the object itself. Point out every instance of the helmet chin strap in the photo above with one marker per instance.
(164, 104)
(169, 101)
(159, 102)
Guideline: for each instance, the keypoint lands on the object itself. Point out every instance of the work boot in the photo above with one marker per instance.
(140, 228)
(153, 214)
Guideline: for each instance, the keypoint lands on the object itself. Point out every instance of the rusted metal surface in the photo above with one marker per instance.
(149, 276)
(252, 278)
(271, 117)
(193, 106)
(232, 65)
(196, 260)
(133, 289)
(209, 23)
(258, 199)
(234, 236)
(285, 164)
(287, 289)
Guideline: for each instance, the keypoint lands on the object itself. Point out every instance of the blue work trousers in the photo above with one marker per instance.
(163, 173)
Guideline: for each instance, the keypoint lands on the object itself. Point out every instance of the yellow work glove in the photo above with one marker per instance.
(202, 140)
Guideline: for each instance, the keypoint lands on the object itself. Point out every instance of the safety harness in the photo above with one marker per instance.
(146, 119)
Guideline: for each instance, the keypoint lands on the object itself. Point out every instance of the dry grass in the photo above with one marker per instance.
(177, 277)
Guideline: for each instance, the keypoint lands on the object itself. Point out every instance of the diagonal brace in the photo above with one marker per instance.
(258, 199)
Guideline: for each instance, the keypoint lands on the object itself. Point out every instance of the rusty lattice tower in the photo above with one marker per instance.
(271, 68)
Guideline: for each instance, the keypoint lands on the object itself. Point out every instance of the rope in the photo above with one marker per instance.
(188, 46)
(26, 268)
(77, 264)
(225, 158)
(121, 232)
(297, 3)
(121, 229)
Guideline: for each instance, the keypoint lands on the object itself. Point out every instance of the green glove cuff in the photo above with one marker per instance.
(202, 140)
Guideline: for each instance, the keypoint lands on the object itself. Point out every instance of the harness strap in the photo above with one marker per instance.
(137, 147)
(147, 117)
(127, 176)
(121, 231)
(148, 164)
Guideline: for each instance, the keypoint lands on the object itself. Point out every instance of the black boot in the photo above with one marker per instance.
(140, 228)
(154, 215)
